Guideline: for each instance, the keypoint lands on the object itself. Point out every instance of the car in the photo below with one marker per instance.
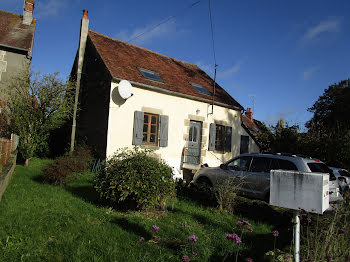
(343, 178)
(253, 170)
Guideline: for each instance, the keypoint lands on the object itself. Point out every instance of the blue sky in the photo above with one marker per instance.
(281, 53)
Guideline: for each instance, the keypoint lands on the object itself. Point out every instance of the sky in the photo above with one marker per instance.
(275, 56)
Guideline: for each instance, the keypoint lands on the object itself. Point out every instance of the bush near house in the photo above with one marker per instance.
(134, 177)
(62, 168)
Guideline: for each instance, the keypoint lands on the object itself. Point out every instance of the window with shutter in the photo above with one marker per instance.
(220, 138)
(150, 128)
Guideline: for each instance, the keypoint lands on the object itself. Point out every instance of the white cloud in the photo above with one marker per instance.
(48, 8)
(147, 34)
(330, 25)
(309, 72)
(230, 71)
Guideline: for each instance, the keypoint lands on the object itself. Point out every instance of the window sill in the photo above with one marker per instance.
(153, 147)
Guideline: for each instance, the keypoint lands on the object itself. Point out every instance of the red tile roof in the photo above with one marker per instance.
(250, 124)
(123, 60)
(14, 33)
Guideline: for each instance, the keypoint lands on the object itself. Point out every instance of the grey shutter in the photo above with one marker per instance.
(138, 128)
(228, 138)
(212, 137)
(163, 132)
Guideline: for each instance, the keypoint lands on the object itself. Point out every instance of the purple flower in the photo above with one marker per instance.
(186, 259)
(245, 223)
(234, 237)
(192, 238)
(142, 239)
(240, 223)
(275, 233)
(155, 228)
(248, 260)
(250, 229)
(308, 220)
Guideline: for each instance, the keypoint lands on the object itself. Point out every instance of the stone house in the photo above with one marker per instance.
(130, 96)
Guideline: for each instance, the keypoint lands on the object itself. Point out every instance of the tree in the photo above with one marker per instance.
(40, 103)
(332, 109)
(279, 138)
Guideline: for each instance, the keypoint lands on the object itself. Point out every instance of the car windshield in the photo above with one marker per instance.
(321, 168)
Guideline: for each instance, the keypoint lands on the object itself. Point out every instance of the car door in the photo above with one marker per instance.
(258, 176)
(238, 168)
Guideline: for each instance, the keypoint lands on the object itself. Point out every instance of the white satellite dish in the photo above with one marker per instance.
(125, 89)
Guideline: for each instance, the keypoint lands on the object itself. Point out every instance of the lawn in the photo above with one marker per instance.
(42, 222)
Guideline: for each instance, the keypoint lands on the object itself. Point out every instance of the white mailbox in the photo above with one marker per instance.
(299, 190)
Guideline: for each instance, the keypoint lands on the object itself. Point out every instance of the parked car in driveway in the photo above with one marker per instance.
(254, 172)
(343, 178)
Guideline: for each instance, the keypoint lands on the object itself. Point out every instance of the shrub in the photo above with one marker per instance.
(63, 168)
(226, 192)
(132, 175)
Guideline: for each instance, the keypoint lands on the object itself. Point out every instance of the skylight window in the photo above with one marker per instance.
(201, 89)
(150, 75)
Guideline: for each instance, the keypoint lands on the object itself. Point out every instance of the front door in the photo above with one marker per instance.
(194, 143)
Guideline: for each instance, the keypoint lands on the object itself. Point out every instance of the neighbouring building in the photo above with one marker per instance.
(16, 44)
(251, 132)
(166, 104)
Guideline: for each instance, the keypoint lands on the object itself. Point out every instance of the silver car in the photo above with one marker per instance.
(343, 178)
(254, 172)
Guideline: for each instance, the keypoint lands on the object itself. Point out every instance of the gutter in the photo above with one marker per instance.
(16, 48)
(161, 90)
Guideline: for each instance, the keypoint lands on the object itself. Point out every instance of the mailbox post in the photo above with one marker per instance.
(299, 190)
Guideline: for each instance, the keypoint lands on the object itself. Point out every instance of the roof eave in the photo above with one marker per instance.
(16, 48)
(168, 92)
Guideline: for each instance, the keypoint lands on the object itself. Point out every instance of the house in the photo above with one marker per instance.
(16, 44)
(130, 95)
(252, 131)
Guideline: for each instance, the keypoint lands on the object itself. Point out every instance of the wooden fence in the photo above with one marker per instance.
(7, 146)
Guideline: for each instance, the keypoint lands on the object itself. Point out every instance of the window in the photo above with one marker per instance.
(220, 138)
(150, 74)
(240, 164)
(150, 129)
(321, 168)
(260, 164)
(201, 89)
(244, 145)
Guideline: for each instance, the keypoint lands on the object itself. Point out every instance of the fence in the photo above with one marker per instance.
(7, 146)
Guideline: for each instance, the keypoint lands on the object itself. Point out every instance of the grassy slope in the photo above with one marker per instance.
(41, 222)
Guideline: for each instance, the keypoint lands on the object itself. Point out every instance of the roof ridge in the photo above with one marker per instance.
(10, 13)
(140, 47)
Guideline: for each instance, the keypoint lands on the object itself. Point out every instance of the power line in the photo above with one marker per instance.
(162, 22)
(212, 33)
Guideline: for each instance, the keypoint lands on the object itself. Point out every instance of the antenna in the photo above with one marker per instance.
(253, 102)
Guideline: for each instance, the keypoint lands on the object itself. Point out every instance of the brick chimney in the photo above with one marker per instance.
(249, 113)
(28, 12)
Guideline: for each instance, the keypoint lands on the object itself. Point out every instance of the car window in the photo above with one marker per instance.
(274, 165)
(260, 164)
(321, 168)
(344, 173)
(287, 165)
(240, 163)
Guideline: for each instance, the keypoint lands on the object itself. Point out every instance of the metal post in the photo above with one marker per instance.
(296, 221)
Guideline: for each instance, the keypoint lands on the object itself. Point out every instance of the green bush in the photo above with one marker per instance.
(134, 176)
(63, 168)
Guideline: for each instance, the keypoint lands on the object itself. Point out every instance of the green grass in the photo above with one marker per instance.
(42, 222)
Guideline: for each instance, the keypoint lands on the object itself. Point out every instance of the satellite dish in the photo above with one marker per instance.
(125, 89)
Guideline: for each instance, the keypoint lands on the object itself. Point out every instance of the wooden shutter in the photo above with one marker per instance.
(163, 132)
(138, 128)
(228, 138)
(212, 136)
